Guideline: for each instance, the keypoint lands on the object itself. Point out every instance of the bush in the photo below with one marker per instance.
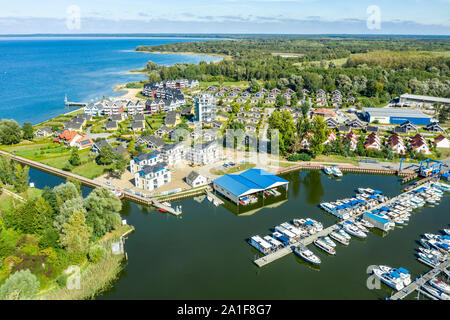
(21, 285)
(299, 157)
(96, 253)
(67, 167)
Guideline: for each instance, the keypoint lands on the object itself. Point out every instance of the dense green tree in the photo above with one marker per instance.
(6, 170)
(254, 86)
(21, 177)
(75, 235)
(312, 81)
(64, 192)
(103, 209)
(305, 108)
(10, 132)
(22, 285)
(66, 210)
(27, 130)
(75, 157)
(120, 166)
(283, 122)
(106, 156)
(320, 134)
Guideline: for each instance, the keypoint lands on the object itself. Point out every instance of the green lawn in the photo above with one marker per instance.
(336, 158)
(8, 202)
(90, 170)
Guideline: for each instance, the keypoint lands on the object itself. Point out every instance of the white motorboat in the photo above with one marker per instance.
(317, 225)
(361, 227)
(446, 231)
(339, 238)
(440, 256)
(329, 242)
(328, 170)
(322, 245)
(404, 274)
(307, 255)
(440, 285)
(353, 230)
(436, 293)
(344, 234)
(428, 259)
(392, 279)
(336, 172)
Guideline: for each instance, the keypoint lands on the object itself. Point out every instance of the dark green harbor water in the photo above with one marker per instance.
(204, 254)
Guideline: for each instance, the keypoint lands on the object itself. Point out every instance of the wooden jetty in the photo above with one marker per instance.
(345, 168)
(416, 285)
(159, 205)
(74, 104)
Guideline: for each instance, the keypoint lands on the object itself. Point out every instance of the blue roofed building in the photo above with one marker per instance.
(252, 181)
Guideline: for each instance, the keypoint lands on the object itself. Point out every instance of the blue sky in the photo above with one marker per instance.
(226, 16)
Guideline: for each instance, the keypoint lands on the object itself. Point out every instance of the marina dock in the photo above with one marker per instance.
(271, 257)
(416, 285)
(159, 205)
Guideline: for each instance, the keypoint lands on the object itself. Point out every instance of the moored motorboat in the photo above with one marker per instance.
(435, 292)
(404, 274)
(353, 230)
(344, 234)
(428, 259)
(336, 172)
(440, 285)
(323, 246)
(327, 170)
(392, 279)
(339, 238)
(329, 242)
(307, 255)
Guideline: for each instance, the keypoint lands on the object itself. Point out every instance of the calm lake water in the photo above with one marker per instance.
(36, 73)
(204, 254)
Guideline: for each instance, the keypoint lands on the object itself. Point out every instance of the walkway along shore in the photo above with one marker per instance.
(347, 168)
(155, 201)
(86, 181)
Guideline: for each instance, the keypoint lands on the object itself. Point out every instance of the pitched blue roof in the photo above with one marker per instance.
(262, 177)
(258, 179)
(236, 184)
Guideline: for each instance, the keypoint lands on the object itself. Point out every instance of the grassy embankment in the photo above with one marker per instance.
(54, 155)
(94, 278)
